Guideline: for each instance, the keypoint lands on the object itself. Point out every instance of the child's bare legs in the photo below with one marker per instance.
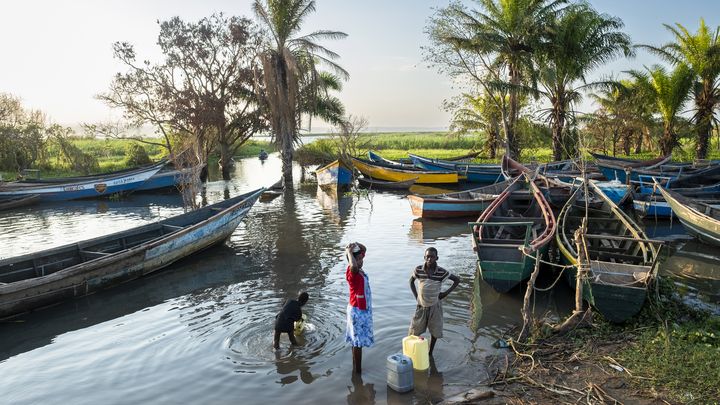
(276, 340)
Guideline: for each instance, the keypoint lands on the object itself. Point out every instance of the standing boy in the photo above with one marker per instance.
(285, 319)
(428, 313)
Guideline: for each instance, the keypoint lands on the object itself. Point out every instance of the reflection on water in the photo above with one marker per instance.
(426, 229)
(201, 330)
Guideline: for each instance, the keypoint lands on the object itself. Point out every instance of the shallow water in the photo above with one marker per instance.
(200, 331)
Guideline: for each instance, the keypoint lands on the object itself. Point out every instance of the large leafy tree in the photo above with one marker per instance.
(701, 52)
(668, 91)
(499, 42)
(204, 88)
(578, 41)
(294, 84)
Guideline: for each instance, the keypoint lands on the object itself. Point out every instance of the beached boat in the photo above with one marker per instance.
(625, 162)
(385, 185)
(167, 178)
(377, 159)
(82, 187)
(456, 204)
(273, 191)
(512, 231)
(335, 174)
(379, 172)
(38, 279)
(680, 174)
(699, 219)
(623, 262)
(17, 202)
(476, 173)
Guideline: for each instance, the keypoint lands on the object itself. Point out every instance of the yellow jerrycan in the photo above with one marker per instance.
(300, 325)
(416, 347)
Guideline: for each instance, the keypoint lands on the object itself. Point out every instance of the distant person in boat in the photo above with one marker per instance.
(286, 318)
(429, 295)
(263, 154)
(359, 328)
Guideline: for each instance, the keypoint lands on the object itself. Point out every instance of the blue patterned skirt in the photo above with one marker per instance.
(359, 329)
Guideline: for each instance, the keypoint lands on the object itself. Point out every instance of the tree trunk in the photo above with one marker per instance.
(638, 142)
(493, 136)
(704, 128)
(226, 162)
(627, 140)
(512, 145)
(667, 142)
(557, 139)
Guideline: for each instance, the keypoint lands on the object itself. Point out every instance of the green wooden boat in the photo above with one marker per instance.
(623, 262)
(515, 228)
(699, 219)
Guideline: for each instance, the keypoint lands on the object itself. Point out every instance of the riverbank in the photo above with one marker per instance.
(670, 353)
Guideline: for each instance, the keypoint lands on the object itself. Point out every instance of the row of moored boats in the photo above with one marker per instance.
(521, 209)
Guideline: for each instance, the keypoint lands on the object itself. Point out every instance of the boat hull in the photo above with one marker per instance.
(439, 208)
(205, 227)
(94, 187)
(390, 174)
(335, 174)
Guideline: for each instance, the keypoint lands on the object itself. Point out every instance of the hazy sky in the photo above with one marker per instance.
(57, 54)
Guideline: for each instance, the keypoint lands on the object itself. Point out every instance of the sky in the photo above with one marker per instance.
(57, 54)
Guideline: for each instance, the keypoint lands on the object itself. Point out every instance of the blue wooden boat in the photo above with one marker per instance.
(82, 187)
(167, 179)
(39, 279)
(17, 202)
(335, 174)
(457, 204)
(616, 191)
(476, 173)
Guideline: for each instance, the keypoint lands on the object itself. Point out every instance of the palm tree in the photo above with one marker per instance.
(503, 36)
(478, 113)
(669, 92)
(293, 84)
(701, 52)
(579, 40)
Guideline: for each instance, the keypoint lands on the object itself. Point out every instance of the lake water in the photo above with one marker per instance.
(200, 331)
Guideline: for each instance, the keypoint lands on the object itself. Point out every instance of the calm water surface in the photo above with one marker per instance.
(200, 331)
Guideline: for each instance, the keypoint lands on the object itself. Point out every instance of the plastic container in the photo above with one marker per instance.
(400, 372)
(417, 348)
(300, 325)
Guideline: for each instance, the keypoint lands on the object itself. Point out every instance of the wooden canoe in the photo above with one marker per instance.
(377, 159)
(386, 185)
(39, 279)
(514, 229)
(701, 220)
(16, 202)
(335, 174)
(457, 204)
(83, 187)
(623, 262)
(476, 173)
(391, 174)
(624, 162)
